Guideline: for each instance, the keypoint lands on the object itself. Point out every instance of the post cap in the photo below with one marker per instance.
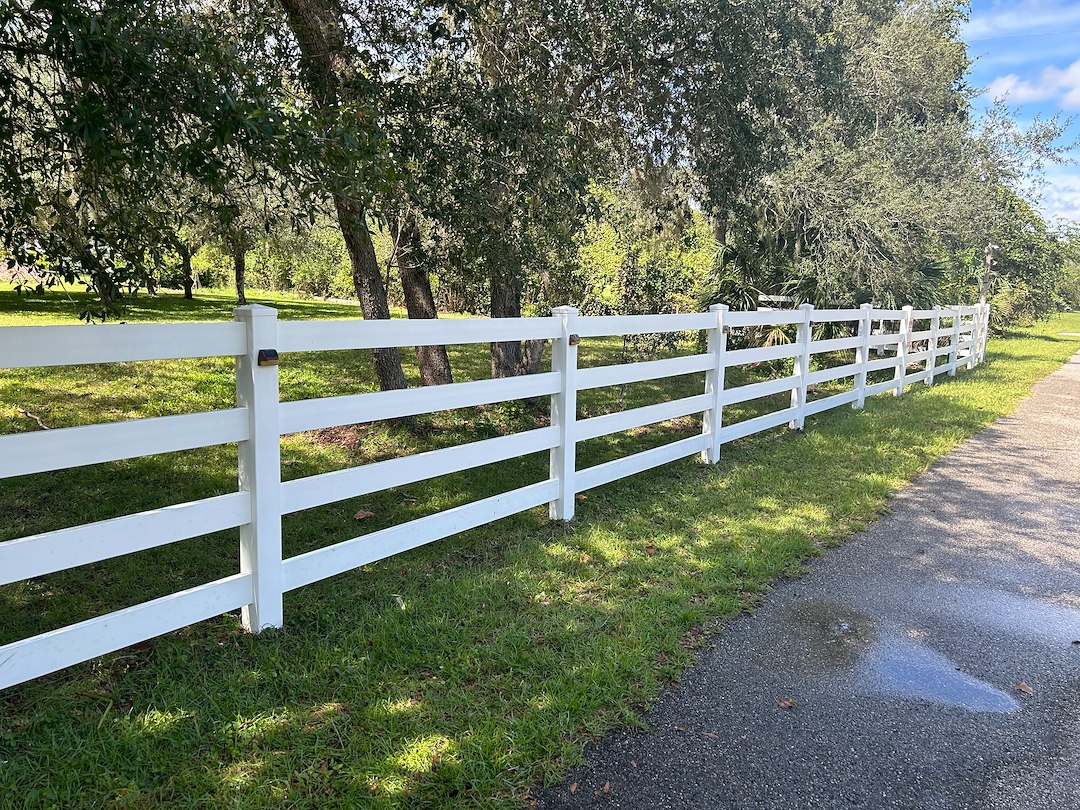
(250, 311)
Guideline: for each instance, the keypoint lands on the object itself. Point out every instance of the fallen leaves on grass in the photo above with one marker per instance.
(650, 549)
(363, 514)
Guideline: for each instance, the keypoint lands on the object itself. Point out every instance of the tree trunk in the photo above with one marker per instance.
(505, 303)
(317, 26)
(534, 353)
(419, 302)
(240, 270)
(720, 234)
(368, 283)
(720, 227)
(187, 275)
(105, 289)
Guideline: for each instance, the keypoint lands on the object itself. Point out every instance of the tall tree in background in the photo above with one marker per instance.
(528, 104)
(337, 85)
(117, 118)
(890, 184)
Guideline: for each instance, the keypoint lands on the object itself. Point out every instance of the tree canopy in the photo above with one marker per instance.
(622, 155)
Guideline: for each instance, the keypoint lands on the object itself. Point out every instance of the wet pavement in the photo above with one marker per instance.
(932, 662)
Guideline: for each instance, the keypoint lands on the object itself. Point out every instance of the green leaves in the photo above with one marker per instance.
(829, 146)
(887, 187)
(129, 107)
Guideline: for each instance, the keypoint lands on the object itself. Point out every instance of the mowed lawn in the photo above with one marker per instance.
(459, 674)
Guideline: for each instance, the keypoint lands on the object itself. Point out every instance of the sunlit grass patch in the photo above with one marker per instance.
(457, 674)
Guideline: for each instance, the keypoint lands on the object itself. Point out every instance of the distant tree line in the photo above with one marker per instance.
(500, 157)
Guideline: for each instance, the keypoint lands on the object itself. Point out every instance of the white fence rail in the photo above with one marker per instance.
(909, 337)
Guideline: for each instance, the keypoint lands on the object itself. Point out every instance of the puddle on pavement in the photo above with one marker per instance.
(894, 666)
(835, 638)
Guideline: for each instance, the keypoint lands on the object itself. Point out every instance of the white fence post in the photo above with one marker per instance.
(985, 331)
(260, 467)
(954, 349)
(931, 361)
(564, 351)
(973, 352)
(902, 353)
(801, 369)
(713, 418)
(862, 354)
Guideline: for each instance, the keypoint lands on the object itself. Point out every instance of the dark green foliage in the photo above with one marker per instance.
(1068, 284)
(891, 191)
(121, 123)
(825, 152)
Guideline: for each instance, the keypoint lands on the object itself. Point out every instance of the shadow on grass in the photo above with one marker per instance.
(207, 305)
(458, 673)
(462, 671)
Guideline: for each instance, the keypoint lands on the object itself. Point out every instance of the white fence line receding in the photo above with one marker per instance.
(882, 340)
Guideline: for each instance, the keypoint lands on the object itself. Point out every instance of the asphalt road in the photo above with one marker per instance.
(933, 661)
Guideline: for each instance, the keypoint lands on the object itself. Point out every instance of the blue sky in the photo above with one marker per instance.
(1028, 52)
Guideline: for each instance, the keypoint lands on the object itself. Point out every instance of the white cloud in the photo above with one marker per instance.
(1016, 91)
(1053, 83)
(1069, 80)
(1024, 18)
(1060, 199)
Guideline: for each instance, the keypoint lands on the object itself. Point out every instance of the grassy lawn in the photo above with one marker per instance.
(458, 674)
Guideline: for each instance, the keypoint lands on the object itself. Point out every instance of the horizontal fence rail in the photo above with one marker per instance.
(25, 453)
(26, 347)
(906, 346)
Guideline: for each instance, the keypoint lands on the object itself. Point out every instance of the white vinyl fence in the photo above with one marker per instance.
(882, 340)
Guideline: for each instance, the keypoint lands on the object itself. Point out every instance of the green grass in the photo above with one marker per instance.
(459, 674)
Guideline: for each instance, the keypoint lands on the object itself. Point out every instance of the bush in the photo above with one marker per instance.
(1013, 304)
(213, 267)
(1068, 290)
